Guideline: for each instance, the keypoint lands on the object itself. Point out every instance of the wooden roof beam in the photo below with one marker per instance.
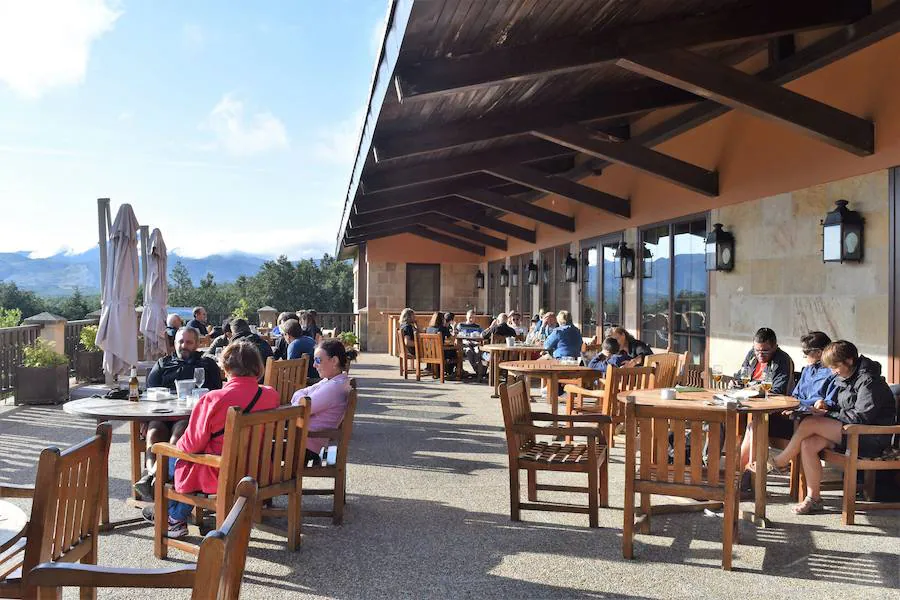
(454, 210)
(519, 207)
(447, 240)
(440, 222)
(391, 214)
(636, 156)
(414, 194)
(770, 18)
(733, 88)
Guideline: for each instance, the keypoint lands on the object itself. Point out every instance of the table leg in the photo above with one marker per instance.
(135, 455)
(759, 422)
(553, 396)
(494, 373)
(104, 494)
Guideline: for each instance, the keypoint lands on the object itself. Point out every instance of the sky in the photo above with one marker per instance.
(229, 125)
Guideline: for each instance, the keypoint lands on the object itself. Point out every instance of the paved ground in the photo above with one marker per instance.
(427, 517)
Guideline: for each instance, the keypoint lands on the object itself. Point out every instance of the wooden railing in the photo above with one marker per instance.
(338, 321)
(13, 341)
(73, 335)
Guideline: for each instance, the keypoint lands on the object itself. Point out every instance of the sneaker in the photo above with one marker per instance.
(177, 529)
(144, 487)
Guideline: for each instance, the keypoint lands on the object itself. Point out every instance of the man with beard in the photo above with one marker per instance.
(177, 366)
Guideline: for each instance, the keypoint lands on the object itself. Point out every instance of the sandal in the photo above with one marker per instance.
(772, 468)
(809, 506)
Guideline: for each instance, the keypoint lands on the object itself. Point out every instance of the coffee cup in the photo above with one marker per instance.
(510, 341)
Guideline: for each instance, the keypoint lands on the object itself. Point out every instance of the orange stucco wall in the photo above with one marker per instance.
(412, 248)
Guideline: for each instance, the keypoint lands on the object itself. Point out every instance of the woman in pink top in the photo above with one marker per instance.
(328, 398)
(205, 431)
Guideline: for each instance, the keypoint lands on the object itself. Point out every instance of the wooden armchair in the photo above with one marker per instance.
(686, 476)
(267, 445)
(430, 351)
(605, 400)
(65, 513)
(286, 376)
(525, 452)
(403, 352)
(335, 469)
(216, 576)
(691, 375)
(668, 367)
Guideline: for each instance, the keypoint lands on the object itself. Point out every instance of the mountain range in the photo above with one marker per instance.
(60, 274)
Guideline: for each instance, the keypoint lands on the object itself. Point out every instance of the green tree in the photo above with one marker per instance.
(10, 317)
(27, 302)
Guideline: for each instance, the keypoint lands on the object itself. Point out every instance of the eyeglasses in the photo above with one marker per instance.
(809, 351)
(317, 361)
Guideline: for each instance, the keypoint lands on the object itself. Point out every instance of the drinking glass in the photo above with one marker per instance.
(766, 383)
(745, 376)
(184, 387)
(716, 371)
(199, 376)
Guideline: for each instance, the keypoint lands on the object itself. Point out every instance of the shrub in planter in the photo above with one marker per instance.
(43, 377)
(349, 339)
(88, 356)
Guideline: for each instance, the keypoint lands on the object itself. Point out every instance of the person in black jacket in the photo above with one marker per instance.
(240, 330)
(863, 397)
(767, 357)
(199, 320)
(632, 346)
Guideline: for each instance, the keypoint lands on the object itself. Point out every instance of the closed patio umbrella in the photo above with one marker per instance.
(117, 333)
(156, 296)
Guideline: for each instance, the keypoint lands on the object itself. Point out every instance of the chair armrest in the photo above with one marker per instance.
(853, 428)
(80, 575)
(325, 433)
(590, 432)
(580, 418)
(167, 449)
(571, 388)
(12, 490)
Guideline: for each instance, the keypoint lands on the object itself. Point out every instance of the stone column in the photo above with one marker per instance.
(53, 329)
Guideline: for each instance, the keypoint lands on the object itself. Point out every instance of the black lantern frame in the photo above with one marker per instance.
(625, 256)
(719, 249)
(571, 268)
(514, 277)
(842, 235)
(504, 277)
(479, 280)
(532, 273)
(647, 263)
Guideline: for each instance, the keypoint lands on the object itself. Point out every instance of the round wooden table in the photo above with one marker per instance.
(552, 371)
(502, 352)
(12, 524)
(104, 409)
(758, 409)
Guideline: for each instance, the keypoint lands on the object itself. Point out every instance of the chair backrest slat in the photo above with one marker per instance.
(667, 365)
(286, 376)
(430, 347)
(620, 379)
(692, 375)
(516, 411)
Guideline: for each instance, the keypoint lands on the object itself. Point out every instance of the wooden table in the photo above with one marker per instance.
(517, 353)
(552, 371)
(757, 408)
(12, 524)
(104, 409)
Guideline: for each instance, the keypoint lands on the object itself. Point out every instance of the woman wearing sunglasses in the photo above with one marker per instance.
(328, 397)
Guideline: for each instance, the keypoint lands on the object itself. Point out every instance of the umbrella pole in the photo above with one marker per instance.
(102, 210)
(145, 237)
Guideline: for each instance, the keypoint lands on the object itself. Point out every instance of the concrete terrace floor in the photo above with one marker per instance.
(428, 517)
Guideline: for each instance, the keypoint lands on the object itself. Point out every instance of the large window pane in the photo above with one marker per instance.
(655, 290)
(590, 301)
(423, 287)
(525, 289)
(690, 284)
(563, 295)
(546, 280)
(496, 294)
(612, 289)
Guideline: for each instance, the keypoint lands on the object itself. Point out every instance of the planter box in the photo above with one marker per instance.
(42, 385)
(89, 366)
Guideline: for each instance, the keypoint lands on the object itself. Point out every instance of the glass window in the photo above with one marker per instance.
(590, 299)
(423, 287)
(601, 290)
(545, 280)
(611, 288)
(496, 294)
(556, 294)
(523, 291)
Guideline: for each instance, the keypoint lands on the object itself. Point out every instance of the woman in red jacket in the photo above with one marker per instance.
(204, 435)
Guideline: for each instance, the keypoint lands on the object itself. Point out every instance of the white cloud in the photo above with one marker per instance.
(244, 136)
(295, 243)
(126, 116)
(337, 144)
(46, 44)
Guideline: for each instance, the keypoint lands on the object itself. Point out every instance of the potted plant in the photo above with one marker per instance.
(88, 356)
(43, 376)
(349, 339)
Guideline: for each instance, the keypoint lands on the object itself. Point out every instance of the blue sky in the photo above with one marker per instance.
(229, 125)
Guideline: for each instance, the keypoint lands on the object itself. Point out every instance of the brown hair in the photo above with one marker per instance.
(814, 340)
(242, 359)
(334, 347)
(436, 320)
(292, 328)
(838, 352)
(285, 316)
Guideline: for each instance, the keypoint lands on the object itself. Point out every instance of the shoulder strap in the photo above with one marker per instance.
(247, 410)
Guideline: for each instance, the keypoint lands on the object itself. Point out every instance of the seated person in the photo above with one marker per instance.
(469, 325)
(408, 329)
(328, 397)
(611, 355)
(565, 340)
(439, 324)
(308, 323)
(632, 346)
(199, 320)
(177, 366)
(499, 328)
(470, 346)
(282, 317)
(280, 342)
(222, 340)
(533, 334)
(514, 318)
(205, 429)
(240, 330)
(767, 357)
(862, 396)
(299, 344)
(548, 324)
(173, 324)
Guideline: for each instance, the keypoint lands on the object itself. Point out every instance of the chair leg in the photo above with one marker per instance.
(593, 496)
(293, 521)
(604, 482)
(160, 509)
(89, 593)
(514, 493)
(611, 434)
(418, 370)
(628, 525)
(340, 498)
(532, 485)
(727, 532)
(794, 489)
(442, 371)
(645, 511)
(848, 508)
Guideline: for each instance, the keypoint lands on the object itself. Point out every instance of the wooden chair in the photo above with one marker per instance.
(64, 526)
(430, 351)
(267, 445)
(216, 576)
(692, 376)
(286, 376)
(605, 400)
(525, 452)
(335, 469)
(667, 367)
(723, 384)
(686, 476)
(404, 354)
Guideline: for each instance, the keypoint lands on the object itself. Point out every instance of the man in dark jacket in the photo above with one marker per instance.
(199, 320)
(767, 357)
(240, 330)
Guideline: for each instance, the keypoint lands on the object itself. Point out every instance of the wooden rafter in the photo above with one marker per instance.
(415, 194)
(474, 235)
(519, 207)
(475, 217)
(447, 240)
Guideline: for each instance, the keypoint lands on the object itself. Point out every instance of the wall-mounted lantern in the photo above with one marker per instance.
(719, 249)
(479, 280)
(504, 277)
(625, 257)
(842, 235)
(647, 266)
(532, 273)
(514, 277)
(571, 265)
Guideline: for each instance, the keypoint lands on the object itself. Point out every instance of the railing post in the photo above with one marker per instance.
(53, 329)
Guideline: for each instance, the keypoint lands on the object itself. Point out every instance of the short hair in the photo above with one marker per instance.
(240, 326)
(448, 316)
(241, 359)
(335, 347)
(838, 352)
(563, 317)
(470, 313)
(192, 330)
(501, 318)
(311, 314)
(170, 320)
(436, 320)
(292, 328)
(535, 318)
(611, 345)
(764, 335)
(226, 325)
(814, 340)
(286, 316)
(197, 310)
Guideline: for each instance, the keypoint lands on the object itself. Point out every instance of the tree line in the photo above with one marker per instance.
(326, 285)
